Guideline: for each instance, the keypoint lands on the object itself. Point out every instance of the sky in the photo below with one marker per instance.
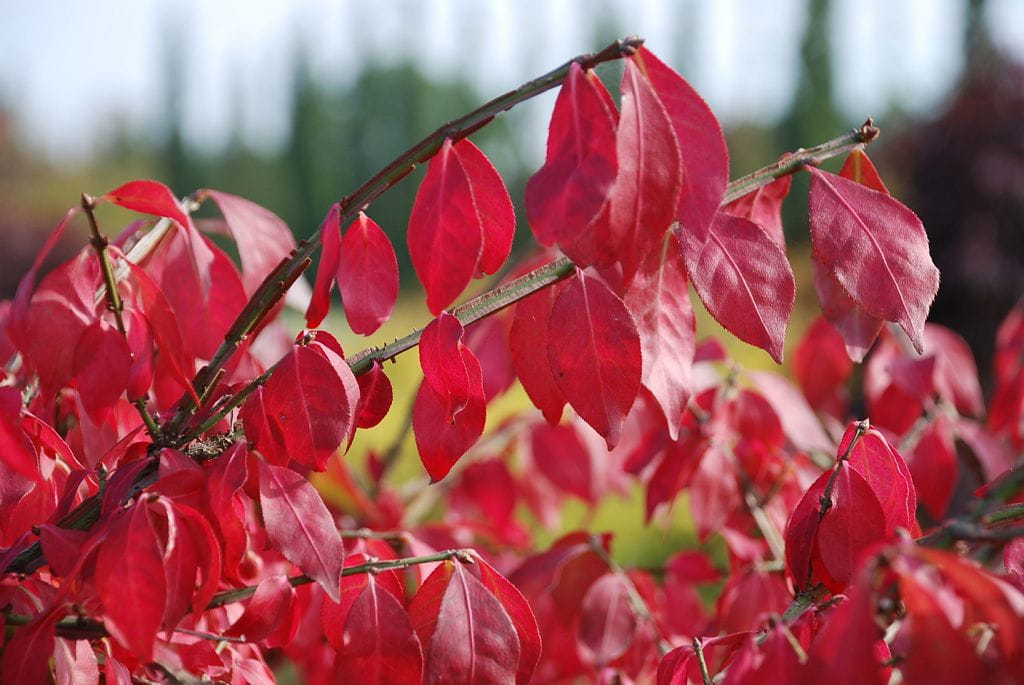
(72, 72)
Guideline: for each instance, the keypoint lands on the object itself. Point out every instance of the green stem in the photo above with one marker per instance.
(99, 243)
(463, 555)
(114, 303)
(812, 156)
(1011, 512)
(698, 650)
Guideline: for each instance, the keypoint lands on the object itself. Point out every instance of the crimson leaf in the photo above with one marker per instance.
(300, 526)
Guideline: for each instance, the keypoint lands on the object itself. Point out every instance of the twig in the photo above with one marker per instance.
(99, 243)
(114, 303)
(367, 534)
(81, 628)
(237, 595)
(698, 650)
(555, 271)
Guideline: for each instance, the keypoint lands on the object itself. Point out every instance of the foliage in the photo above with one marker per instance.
(158, 428)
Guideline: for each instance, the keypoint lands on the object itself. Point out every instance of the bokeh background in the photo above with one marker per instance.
(293, 104)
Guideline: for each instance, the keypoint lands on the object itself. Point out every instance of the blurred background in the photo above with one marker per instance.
(293, 104)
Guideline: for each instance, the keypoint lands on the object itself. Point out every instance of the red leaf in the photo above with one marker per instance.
(956, 374)
(210, 562)
(822, 366)
(529, 340)
(201, 283)
(300, 526)
(147, 197)
(750, 598)
(643, 200)
(379, 644)
(876, 249)
(226, 477)
(75, 663)
(855, 522)
(320, 302)
(559, 454)
(594, 351)
(799, 423)
(857, 327)
(460, 222)
(466, 634)
(888, 476)
(522, 618)
(443, 362)
(141, 346)
(713, 492)
(62, 547)
(164, 326)
(268, 607)
(934, 650)
(492, 205)
(442, 437)
(61, 308)
(375, 396)
(568, 192)
(102, 367)
(825, 548)
(26, 656)
(674, 471)
(130, 581)
(705, 157)
(16, 451)
(607, 623)
(859, 169)
(659, 300)
(180, 561)
(743, 278)
(488, 339)
(367, 275)
(17, 323)
(843, 653)
(309, 406)
(763, 206)
(263, 239)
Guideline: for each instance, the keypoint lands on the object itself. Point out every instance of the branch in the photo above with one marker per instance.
(273, 288)
(114, 303)
(82, 628)
(698, 650)
(524, 286)
(463, 555)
